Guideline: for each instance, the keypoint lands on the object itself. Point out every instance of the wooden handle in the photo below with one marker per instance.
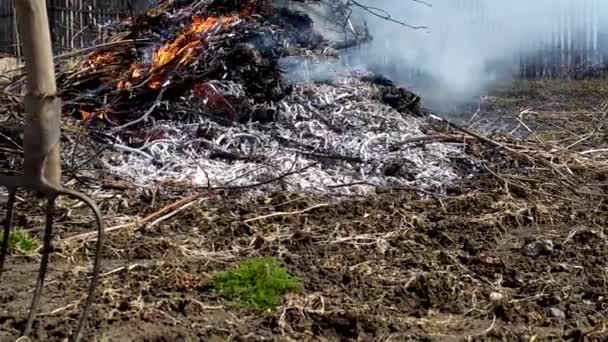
(33, 27)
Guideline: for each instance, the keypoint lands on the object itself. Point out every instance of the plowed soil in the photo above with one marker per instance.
(486, 262)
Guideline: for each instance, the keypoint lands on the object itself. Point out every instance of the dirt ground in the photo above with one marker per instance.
(505, 256)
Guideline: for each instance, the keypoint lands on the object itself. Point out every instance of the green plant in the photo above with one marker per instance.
(21, 241)
(257, 283)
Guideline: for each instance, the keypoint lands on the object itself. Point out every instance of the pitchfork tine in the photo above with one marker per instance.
(46, 250)
(97, 261)
(7, 228)
(55, 192)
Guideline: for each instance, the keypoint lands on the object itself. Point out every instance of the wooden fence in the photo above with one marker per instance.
(571, 40)
(74, 23)
(8, 39)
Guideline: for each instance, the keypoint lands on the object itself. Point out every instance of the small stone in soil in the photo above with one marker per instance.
(539, 247)
(558, 314)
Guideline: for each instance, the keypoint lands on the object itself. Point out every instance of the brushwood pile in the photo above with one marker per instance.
(195, 92)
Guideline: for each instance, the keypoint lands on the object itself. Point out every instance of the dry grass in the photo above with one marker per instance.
(8, 65)
(394, 266)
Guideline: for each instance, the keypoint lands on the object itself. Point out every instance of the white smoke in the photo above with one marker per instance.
(465, 37)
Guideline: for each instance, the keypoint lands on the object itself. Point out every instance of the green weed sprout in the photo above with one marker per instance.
(256, 283)
(22, 242)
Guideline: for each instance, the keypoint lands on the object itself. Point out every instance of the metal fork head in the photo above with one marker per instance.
(50, 209)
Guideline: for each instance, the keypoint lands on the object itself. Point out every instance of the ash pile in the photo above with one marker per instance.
(210, 94)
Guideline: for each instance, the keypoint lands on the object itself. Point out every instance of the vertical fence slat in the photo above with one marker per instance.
(81, 24)
(74, 23)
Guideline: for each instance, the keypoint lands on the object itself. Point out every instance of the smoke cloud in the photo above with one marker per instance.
(469, 45)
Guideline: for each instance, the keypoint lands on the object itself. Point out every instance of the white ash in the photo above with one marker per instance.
(345, 118)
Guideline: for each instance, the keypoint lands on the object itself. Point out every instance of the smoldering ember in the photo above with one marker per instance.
(224, 139)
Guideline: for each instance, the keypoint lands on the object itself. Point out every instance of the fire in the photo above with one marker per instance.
(123, 84)
(188, 40)
(135, 71)
(84, 115)
(102, 58)
(87, 116)
(154, 84)
(183, 48)
(199, 24)
(135, 74)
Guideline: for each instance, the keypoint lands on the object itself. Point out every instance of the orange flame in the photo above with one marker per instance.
(187, 41)
(182, 47)
(88, 116)
(123, 84)
(102, 58)
(135, 71)
(154, 84)
(134, 75)
(85, 116)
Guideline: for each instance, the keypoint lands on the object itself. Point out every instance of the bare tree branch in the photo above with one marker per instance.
(383, 14)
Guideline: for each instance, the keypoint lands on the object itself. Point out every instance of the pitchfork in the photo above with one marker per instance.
(42, 164)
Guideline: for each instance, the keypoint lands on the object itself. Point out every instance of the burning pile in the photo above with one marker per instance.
(194, 92)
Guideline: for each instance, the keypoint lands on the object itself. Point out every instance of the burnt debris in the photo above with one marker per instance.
(189, 44)
(402, 100)
(207, 81)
